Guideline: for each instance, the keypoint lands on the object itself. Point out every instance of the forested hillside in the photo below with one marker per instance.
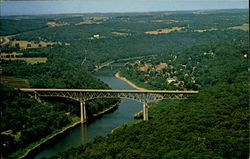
(212, 124)
(193, 68)
(23, 116)
(15, 26)
(103, 37)
(205, 50)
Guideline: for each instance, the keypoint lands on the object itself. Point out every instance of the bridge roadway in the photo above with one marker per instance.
(83, 95)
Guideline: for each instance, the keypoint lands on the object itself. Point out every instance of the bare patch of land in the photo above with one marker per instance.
(117, 75)
(164, 31)
(161, 66)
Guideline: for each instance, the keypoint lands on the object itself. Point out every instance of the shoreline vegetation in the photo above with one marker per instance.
(117, 75)
(105, 111)
(31, 151)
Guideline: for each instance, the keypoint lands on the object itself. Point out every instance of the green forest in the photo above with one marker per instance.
(184, 50)
(212, 124)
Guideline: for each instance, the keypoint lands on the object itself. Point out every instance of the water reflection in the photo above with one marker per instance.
(84, 134)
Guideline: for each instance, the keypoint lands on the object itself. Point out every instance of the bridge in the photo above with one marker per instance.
(83, 95)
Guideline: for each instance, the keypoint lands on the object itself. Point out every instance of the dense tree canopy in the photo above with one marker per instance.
(204, 51)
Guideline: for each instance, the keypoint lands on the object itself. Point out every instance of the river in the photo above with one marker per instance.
(101, 126)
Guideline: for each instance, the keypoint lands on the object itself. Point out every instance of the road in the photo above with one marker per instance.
(5, 39)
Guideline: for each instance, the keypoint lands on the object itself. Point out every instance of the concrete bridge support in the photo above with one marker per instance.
(145, 111)
(36, 96)
(83, 111)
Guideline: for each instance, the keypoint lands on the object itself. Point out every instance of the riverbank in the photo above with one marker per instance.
(54, 139)
(106, 110)
(32, 151)
(117, 75)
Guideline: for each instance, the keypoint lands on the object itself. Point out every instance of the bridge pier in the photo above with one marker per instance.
(145, 111)
(36, 96)
(83, 95)
(83, 111)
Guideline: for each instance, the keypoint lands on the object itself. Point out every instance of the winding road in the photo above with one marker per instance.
(5, 39)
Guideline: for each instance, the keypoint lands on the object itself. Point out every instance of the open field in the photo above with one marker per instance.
(164, 31)
(199, 12)
(92, 20)
(54, 24)
(14, 82)
(120, 34)
(244, 27)
(204, 30)
(88, 22)
(10, 55)
(32, 44)
(165, 21)
(29, 60)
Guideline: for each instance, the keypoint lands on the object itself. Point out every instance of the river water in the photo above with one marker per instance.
(102, 126)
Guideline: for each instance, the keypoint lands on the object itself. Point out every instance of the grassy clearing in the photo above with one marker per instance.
(54, 24)
(204, 30)
(29, 60)
(164, 31)
(32, 44)
(165, 21)
(8, 55)
(88, 22)
(199, 12)
(92, 20)
(244, 27)
(14, 82)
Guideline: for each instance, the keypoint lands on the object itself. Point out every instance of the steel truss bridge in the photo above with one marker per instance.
(83, 95)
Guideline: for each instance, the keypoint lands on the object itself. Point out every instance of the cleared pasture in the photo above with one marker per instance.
(29, 60)
(14, 82)
(164, 31)
(244, 27)
(204, 30)
(31, 44)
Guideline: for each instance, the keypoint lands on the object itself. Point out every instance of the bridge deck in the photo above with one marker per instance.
(106, 91)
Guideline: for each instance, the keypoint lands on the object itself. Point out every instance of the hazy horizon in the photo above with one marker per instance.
(36, 7)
